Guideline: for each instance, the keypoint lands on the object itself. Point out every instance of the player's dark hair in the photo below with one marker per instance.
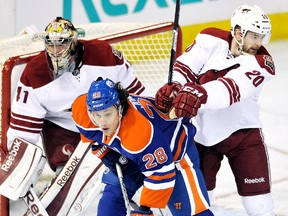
(123, 95)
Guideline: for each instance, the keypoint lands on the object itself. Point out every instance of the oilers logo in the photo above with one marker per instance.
(123, 160)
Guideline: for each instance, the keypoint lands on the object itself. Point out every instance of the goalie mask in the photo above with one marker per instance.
(60, 45)
(251, 18)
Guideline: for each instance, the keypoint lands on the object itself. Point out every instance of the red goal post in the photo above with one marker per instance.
(146, 45)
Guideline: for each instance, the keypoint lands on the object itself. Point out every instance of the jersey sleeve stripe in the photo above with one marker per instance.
(161, 180)
(25, 123)
(135, 87)
(185, 71)
(159, 186)
(155, 178)
(25, 129)
(27, 118)
(180, 146)
(165, 169)
(233, 89)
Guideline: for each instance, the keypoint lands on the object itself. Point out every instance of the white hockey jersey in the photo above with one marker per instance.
(40, 97)
(233, 84)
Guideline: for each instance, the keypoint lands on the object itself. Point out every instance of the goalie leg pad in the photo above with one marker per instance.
(20, 168)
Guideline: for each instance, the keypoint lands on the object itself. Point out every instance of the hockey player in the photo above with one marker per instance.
(163, 159)
(223, 73)
(53, 79)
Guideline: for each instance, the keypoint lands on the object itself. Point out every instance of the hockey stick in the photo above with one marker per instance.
(123, 188)
(124, 191)
(174, 41)
(172, 114)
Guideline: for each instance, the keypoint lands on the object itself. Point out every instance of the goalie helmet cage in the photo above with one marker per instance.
(146, 45)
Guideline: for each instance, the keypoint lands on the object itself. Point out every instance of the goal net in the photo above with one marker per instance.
(146, 45)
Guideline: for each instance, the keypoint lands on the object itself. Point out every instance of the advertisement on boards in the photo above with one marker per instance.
(41, 12)
(16, 15)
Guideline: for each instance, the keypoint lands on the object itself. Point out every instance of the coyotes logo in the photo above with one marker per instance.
(269, 64)
(117, 53)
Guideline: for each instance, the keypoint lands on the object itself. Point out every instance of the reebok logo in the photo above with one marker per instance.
(11, 155)
(69, 170)
(30, 201)
(254, 181)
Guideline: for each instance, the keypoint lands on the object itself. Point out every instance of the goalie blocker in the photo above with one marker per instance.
(21, 168)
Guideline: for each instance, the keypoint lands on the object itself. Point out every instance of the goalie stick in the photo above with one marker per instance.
(173, 50)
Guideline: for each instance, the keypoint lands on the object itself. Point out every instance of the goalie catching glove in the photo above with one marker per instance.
(165, 96)
(189, 100)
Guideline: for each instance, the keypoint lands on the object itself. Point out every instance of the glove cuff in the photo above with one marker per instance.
(144, 208)
(142, 211)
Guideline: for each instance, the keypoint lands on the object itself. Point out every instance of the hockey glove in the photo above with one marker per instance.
(165, 95)
(189, 100)
(143, 211)
(129, 168)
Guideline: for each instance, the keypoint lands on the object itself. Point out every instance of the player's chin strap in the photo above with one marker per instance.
(241, 46)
